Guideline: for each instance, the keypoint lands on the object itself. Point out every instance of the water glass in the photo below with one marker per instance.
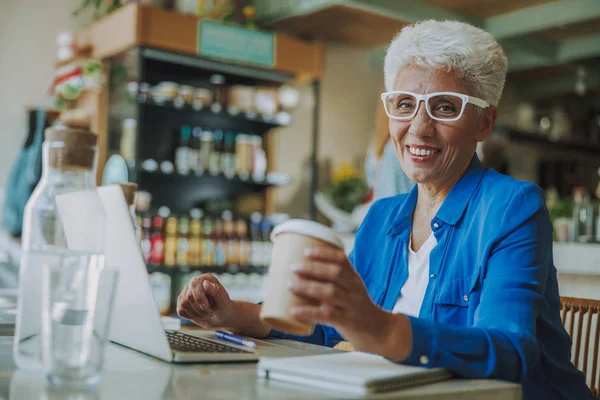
(77, 299)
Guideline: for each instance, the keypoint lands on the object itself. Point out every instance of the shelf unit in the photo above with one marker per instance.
(537, 139)
(212, 269)
(148, 44)
(258, 122)
(158, 125)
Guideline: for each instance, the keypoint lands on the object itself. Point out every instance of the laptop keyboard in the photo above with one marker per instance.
(189, 343)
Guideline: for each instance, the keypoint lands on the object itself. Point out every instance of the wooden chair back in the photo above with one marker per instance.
(580, 319)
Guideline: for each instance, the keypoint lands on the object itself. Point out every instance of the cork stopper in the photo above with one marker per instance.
(77, 147)
(129, 190)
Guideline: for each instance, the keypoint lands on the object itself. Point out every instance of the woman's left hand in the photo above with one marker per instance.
(342, 300)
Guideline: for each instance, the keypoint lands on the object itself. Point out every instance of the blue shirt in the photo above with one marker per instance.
(492, 307)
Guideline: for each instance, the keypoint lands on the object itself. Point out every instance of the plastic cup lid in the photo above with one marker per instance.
(308, 228)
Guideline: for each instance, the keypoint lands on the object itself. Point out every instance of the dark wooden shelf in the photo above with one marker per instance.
(183, 192)
(212, 178)
(260, 123)
(212, 269)
(558, 145)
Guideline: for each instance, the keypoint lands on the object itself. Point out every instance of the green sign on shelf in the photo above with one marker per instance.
(235, 43)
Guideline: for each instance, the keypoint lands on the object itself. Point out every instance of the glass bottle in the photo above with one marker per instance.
(207, 143)
(208, 244)
(146, 233)
(583, 220)
(195, 242)
(220, 256)
(267, 246)
(255, 238)
(182, 153)
(214, 162)
(228, 157)
(157, 241)
(183, 245)
(242, 156)
(232, 242)
(194, 156)
(259, 159)
(68, 165)
(242, 233)
(171, 242)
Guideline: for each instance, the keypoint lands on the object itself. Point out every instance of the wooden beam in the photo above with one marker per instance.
(412, 11)
(579, 48)
(269, 12)
(542, 17)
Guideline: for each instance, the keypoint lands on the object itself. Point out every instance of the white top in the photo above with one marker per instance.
(308, 228)
(412, 293)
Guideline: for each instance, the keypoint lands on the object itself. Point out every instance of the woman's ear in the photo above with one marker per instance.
(486, 123)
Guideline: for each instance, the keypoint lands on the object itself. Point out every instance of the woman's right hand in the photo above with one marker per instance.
(205, 302)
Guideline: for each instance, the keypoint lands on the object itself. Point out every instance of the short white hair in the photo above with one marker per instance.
(464, 49)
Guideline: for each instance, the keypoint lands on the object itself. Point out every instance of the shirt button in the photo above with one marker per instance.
(436, 225)
(466, 298)
(424, 360)
(432, 276)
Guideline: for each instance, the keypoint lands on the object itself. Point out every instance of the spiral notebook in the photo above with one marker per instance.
(355, 372)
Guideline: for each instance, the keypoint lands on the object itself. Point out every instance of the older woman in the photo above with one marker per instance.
(458, 273)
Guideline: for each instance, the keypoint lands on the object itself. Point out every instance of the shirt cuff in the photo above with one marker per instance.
(424, 343)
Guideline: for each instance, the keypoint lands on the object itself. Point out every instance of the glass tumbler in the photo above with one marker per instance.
(77, 299)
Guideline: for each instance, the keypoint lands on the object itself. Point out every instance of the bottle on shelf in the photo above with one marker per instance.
(259, 159)
(220, 247)
(195, 242)
(215, 156)
(242, 155)
(583, 219)
(256, 239)
(267, 246)
(161, 291)
(183, 246)
(68, 165)
(128, 141)
(244, 247)
(208, 244)
(206, 148)
(228, 157)
(231, 238)
(146, 233)
(194, 156)
(157, 241)
(182, 153)
(170, 259)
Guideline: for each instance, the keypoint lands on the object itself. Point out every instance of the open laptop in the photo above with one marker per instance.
(136, 321)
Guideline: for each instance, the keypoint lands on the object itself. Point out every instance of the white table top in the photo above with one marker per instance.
(131, 375)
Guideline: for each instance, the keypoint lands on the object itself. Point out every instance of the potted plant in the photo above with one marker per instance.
(345, 199)
(561, 215)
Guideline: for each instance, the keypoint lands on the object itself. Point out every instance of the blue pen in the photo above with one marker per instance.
(228, 337)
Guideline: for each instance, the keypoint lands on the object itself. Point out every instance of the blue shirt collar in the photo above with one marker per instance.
(454, 205)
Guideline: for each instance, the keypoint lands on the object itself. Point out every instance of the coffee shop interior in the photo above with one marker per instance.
(224, 119)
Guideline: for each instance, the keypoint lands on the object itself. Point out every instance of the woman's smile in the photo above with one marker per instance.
(422, 154)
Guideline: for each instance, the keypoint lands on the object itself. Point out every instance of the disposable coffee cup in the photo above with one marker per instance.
(290, 240)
